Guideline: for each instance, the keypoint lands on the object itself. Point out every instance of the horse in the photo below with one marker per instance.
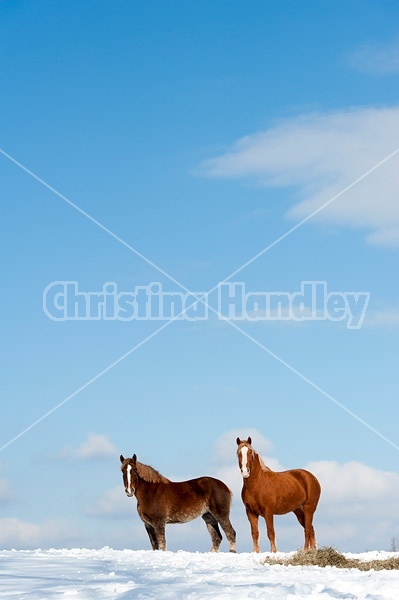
(161, 501)
(267, 493)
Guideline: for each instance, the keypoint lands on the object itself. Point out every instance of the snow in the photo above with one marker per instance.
(81, 574)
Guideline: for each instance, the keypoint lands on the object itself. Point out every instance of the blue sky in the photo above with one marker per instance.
(175, 142)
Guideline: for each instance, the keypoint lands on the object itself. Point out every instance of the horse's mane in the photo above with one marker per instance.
(149, 474)
(262, 464)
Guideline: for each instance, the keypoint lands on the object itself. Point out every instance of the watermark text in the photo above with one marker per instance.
(65, 301)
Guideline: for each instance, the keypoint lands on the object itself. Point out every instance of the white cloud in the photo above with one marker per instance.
(15, 533)
(96, 446)
(358, 505)
(355, 483)
(380, 59)
(317, 156)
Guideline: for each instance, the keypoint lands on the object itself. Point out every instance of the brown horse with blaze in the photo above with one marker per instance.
(266, 493)
(161, 501)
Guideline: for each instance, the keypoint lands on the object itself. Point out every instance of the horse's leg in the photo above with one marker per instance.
(300, 515)
(229, 531)
(151, 534)
(214, 531)
(253, 521)
(270, 530)
(309, 509)
(159, 529)
(219, 506)
(310, 539)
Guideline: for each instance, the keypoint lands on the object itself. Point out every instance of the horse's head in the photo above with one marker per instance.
(129, 472)
(245, 456)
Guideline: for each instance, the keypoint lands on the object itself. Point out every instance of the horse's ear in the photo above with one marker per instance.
(134, 459)
(121, 457)
(238, 441)
(249, 440)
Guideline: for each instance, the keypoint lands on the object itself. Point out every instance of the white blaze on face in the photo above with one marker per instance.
(129, 479)
(244, 462)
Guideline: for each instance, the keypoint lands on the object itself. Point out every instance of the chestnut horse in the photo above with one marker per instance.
(161, 501)
(267, 493)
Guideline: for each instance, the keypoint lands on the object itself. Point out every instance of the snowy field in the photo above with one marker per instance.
(106, 573)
